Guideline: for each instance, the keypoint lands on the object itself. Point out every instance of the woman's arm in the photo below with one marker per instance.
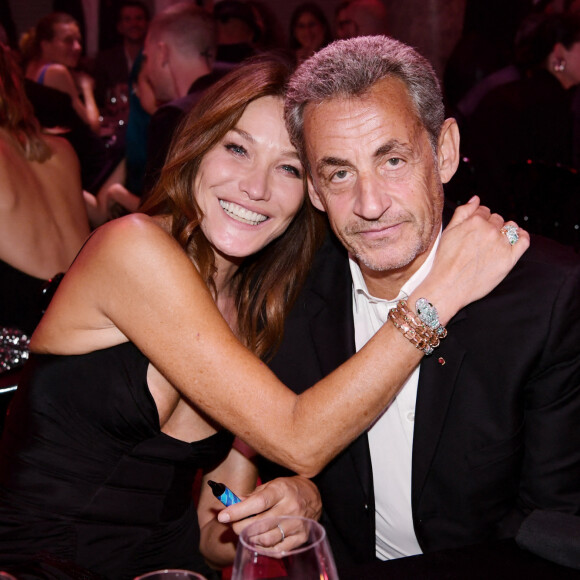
(59, 77)
(134, 282)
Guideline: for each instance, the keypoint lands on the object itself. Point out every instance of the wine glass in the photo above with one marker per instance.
(288, 547)
(171, 575)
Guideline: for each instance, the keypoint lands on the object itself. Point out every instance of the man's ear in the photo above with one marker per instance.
(314, 197)
(448, 150)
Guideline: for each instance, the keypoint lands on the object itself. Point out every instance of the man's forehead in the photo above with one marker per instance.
(389, 96)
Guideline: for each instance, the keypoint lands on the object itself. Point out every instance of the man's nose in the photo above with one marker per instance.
(372, 199)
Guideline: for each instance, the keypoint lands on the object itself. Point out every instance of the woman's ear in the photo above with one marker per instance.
(314, 197)
(448, 150)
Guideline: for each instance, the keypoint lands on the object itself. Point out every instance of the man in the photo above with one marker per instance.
(360, 18)
(113, 66)
(486, 429)
(179, 62)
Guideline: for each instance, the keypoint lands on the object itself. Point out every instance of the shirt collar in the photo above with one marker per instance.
(360, 290)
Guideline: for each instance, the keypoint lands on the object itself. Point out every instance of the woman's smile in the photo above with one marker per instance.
(241, 214)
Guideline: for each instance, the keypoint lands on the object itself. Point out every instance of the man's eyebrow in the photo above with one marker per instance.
(331, 162)
(389, 147)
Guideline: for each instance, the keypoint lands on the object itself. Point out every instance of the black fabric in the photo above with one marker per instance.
(552, 535)
(20, 298)
(86, 474)
(53, 108)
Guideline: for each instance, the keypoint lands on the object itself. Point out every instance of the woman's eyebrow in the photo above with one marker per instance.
(248, 137)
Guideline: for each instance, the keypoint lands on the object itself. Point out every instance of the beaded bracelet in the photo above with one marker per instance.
(413, 328)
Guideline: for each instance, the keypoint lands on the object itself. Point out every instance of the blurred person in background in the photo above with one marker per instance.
(360, 18)
(121, 193)
(530, 121)
(51, 52)
(180, 50)
(309, 30)
(43, 221)
(113, 66)
(237, 31)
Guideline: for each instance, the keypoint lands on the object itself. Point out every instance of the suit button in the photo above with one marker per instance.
(366, 507)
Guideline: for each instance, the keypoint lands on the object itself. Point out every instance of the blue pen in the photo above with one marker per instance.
(223, 493)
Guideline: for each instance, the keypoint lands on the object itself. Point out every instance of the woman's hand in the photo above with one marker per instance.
(84, 81)
(285, 496)
(473, 257)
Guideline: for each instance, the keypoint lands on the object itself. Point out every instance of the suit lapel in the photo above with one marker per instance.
(437, 381)
(332, 328)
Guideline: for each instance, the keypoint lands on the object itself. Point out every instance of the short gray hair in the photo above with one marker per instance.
(350, 68)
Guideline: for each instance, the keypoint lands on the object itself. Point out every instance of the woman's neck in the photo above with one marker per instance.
(226, 269)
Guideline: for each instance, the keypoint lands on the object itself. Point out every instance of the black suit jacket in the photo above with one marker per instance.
(497, 422)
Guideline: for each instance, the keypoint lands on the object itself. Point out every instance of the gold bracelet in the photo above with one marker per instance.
(413, 328)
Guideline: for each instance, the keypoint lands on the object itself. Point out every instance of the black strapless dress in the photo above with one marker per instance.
(87, 476)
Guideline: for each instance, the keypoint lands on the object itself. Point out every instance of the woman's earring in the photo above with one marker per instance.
(559, 65)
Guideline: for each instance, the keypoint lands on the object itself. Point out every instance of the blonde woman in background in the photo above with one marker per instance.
(51, 53)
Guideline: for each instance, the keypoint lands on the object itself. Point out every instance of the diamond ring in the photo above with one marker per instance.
(511, 233)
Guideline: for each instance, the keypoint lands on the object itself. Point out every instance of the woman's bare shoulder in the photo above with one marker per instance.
(135, 237)
(58, 77)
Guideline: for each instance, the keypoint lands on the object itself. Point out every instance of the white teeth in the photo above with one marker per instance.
(242, 214)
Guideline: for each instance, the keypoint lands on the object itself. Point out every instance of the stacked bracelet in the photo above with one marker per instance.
(421, 334)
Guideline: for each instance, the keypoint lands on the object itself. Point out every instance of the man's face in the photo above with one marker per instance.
(132, 23)
(375, 174)
(157, 69)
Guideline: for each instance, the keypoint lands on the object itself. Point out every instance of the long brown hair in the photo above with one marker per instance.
(267, 283)
(16, 112)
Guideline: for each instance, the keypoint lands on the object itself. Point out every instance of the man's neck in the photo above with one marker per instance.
(188, 75)
(387, 284)
(132, 48)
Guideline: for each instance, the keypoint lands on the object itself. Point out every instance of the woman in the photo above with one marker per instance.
(309, 30)
(43, 222)
(142, 348)
(52, 51)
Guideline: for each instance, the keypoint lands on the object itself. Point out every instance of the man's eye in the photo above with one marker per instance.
(394, 161)
(293, 170)
(339, 175)
(236, 149)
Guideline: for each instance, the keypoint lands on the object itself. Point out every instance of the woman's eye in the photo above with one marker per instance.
(236, 149)
(293, 170)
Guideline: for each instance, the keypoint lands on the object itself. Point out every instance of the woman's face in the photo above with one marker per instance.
(308, 31)
(65, 47)
(250, 185)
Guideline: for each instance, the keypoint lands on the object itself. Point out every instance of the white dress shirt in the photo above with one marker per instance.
(391, 437)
